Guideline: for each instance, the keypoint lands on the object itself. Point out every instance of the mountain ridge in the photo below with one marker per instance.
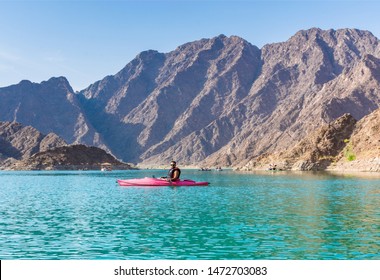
(219, 101)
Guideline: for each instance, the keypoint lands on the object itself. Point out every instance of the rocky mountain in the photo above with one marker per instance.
(26, 148)
(50, 106)
(72, 157)
(159, 100)
(20, 142)
(343, 144)
(219, 101)
(317, 151)
(310, 80)
(362, 150)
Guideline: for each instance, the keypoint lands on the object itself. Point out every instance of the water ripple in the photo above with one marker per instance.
(85, 215)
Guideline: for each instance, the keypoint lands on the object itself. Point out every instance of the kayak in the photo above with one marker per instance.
(156, 182)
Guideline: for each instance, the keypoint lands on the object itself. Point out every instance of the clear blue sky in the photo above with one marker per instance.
(89, 39)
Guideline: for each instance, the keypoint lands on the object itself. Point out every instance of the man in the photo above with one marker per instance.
(174, 172)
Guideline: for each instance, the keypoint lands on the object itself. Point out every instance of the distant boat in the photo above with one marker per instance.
(205, 169)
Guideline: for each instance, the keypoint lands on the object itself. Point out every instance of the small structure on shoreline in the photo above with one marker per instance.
(106, 166)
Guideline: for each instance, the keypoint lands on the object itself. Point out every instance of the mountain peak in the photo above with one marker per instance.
(147, 54)
(219, 99)
(25, 83)
(60, 82)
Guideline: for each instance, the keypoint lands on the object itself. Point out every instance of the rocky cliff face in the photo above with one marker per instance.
(18, 141)
(343, 144)
(362, 150)
(51, 106)
(317, 151)
(219, 101)
(158, 100)
(26, 148)
(305, 82)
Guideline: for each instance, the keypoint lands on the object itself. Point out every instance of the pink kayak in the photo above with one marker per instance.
(155, 182)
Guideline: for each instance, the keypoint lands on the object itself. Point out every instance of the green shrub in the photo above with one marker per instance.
(348, 152)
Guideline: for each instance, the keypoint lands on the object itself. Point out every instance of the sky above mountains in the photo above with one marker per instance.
(87, 40)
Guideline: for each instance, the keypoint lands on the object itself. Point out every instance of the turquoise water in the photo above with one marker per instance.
(86, 215)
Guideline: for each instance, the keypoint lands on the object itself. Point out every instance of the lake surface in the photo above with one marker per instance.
(86, 215)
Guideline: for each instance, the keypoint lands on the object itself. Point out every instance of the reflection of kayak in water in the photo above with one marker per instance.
(155, 182)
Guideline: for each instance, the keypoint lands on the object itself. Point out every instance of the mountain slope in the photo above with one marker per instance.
(69, 158)
(292, 97)
(218, 101)
(18, 141)
(362, 151)
(50, 106)
(343, 144)
(316, 151)
(165, 97)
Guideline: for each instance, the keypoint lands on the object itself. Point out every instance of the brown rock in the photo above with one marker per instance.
(70, 158)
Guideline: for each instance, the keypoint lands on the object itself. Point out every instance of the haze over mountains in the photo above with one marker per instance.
(219, 101)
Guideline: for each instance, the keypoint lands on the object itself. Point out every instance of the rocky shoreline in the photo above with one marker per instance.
(363, 166)
(342, 145)
(369, 165)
